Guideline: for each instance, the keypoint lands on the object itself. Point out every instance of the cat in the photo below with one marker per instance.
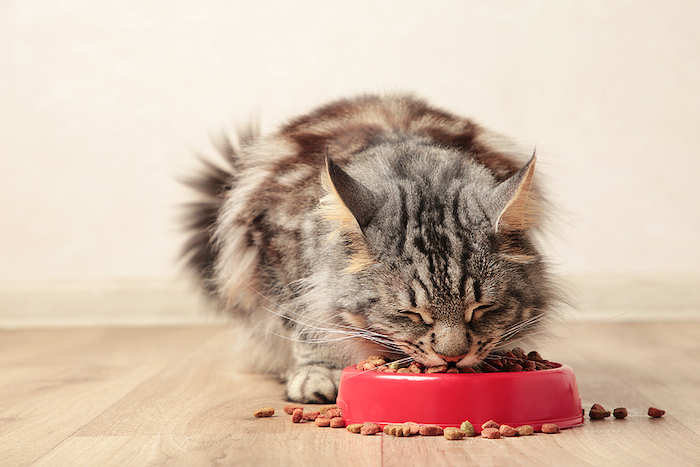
(374, 225)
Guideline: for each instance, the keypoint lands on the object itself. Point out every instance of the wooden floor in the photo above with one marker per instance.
(167, 396)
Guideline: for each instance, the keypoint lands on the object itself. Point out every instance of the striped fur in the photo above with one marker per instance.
(371, 225)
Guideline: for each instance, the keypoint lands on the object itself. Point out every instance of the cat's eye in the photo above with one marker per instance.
(413, 316)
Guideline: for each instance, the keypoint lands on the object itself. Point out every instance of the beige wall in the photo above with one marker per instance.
(102, 107)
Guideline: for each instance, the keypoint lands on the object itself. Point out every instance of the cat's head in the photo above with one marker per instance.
(443, 248)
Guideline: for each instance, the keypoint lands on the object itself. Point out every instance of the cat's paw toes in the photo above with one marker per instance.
(313, 384)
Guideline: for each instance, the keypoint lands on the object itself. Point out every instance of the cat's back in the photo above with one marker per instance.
(258, 212)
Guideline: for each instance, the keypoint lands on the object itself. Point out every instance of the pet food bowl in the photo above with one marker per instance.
(448, 399)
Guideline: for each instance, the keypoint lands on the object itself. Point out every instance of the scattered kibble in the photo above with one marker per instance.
(468, 428)
(453, 433)
(354, 428)
(413, 428)
(431, 430)
(598, 412)
(264, 412)
(322, 421)
(507, 431)
(310, 416)
(369, 429)
(490, 424)
(337, 422)
(620, 413)
(291, 408)
(653, 412)
(525, 430)
(297, 415)
(490, 433)
(550, 428)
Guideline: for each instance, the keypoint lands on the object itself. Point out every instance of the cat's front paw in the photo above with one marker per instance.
(313, 384)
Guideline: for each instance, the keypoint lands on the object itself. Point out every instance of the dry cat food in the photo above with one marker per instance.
(297, 415)
(322, 421)
(264, 412)
(453, 433)
(598, 412)
(337, 422)
(430, 430)
(354, 428)
(490, 424)
(369, 429)
(490, 433)
(331, 416)
(468, 428)
(291, 408)
(498, 361)
(550, 428)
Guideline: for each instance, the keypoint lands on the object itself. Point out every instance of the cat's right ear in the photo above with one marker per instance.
(361, 202)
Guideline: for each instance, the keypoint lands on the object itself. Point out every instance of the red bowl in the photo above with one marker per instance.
(448, 399)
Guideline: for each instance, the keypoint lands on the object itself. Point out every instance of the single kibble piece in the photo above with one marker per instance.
(431, 430)
(337, 422)
(332, 413)
(549, 428)
(598, 412)
(265, 412)
(354, 428)
(322, 421)
(326, 408)
(467, 428)
(436, 369)
(397, 430)
(525, 430)
(369, 429)
(620, 412)
(291, 408)
(453, 433)
(390, 430)
(490, 424)
(297, 415)
(413, 428)
(490, 433)
(311, 416)
(507, 431)
(653, 412)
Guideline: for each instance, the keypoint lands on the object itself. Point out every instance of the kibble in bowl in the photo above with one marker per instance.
(377, 391)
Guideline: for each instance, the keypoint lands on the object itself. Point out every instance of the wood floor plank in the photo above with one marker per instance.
(254, 449)
(163, 396)
(73, 376)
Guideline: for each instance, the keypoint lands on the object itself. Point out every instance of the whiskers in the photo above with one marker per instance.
(522, 330)
(317, 331)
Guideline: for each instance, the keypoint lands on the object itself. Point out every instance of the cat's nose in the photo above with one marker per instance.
(452, 359)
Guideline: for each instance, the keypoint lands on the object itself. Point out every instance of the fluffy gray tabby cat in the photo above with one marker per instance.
(374, 225)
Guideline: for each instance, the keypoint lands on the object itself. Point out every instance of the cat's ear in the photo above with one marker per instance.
(516, 201)
(356, 197)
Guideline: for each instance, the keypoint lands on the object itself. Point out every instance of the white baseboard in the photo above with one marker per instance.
(104, 303)
(669, 297)
(634, 297)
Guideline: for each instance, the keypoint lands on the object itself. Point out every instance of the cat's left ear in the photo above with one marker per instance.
(517, 201)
